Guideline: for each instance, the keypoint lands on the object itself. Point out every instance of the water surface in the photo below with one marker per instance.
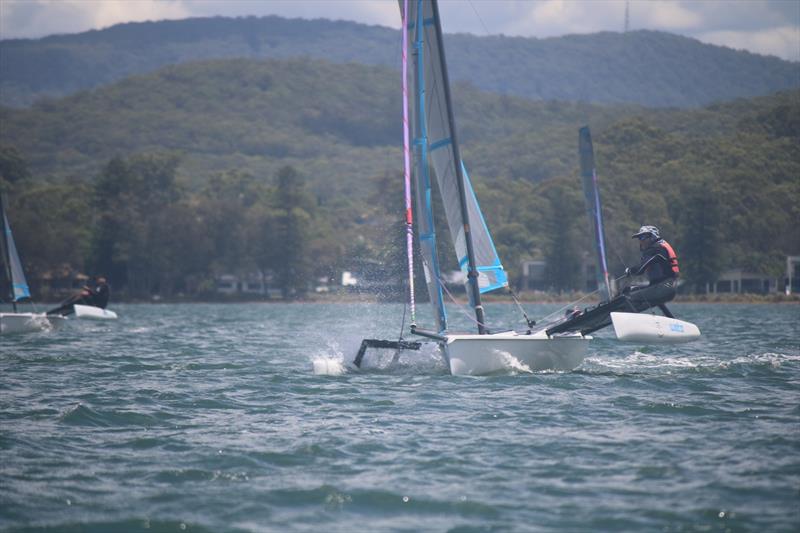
(212, 418)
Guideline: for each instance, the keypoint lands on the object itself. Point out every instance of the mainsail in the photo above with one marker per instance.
(436, 147)
(19, 286)
(591, 193)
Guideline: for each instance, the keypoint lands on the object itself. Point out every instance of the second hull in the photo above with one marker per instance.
(28, 322)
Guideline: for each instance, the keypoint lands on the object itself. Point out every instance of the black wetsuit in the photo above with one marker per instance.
(100, 296)
(97, 297)
(661, 266)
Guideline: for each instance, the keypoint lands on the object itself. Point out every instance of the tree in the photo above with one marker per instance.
(127, 195)
(293, 207)
(701, 237)
(561, 252)
(13, 167)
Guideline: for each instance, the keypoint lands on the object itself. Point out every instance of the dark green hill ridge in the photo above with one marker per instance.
(649, 68)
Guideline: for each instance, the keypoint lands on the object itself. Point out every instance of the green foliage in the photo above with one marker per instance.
(561, 246)
(164, 181)
(290, 233)
(13, 167)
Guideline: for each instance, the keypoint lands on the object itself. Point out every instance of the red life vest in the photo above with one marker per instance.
(673, 258)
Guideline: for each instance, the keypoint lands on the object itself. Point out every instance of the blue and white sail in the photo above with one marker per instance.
(19, 286)
(435, 148)
(591, 192)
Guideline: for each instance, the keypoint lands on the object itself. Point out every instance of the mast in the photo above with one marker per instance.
(409, 216)
(591, 191)
(6, 255)
(472, 274)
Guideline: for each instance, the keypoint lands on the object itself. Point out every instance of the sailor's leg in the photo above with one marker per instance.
(666, 311)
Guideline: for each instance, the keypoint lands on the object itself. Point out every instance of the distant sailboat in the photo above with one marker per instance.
(18, 288)
(436, 148)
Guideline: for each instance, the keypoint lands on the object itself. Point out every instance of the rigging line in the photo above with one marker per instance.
(403, 322)
(459, 306)
(557, 311)
(528, 321)
(479, 18)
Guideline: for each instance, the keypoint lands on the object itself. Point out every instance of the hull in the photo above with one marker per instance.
(653, 329)
(472, 354)
(93, 313)
(28, 322)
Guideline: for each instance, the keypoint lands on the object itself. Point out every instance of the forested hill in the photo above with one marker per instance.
(212, 150)
(643, 67)
(338, 124)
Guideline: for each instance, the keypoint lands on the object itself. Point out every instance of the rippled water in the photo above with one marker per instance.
(212, 418)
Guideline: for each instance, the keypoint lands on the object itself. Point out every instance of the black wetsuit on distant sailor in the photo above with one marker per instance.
(96, 297)
(660, 263)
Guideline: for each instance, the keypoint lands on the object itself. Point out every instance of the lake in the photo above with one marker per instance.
(195, 417)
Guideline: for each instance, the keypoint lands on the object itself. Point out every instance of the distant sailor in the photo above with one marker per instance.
(96, 296)
(660, 263)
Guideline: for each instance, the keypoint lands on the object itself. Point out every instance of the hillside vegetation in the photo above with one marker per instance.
(336, 124)
(648, 68)
(293, 169)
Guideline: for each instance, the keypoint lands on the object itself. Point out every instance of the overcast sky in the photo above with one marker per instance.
(762, 26)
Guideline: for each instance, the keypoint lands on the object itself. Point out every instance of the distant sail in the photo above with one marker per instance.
(433, 139)
(19, 286)
(591, 192)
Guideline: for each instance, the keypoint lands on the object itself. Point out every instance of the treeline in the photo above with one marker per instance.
(136, 224)
(643, 67)
(337, 124)
(165, 181)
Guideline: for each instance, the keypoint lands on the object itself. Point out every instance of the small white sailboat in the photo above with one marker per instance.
(16, 322)
(436, 147)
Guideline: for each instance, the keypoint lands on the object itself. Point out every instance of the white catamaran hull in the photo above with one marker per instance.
(653, 329)
(28, 322)
(472, 354)
(94, 313)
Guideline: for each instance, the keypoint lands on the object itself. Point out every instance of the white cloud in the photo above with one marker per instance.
(782, 42)
(672, 16)
(109, 12)
(37, 18)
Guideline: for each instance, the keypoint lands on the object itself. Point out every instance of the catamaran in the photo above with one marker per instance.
(436, 149)
(18, 288)
(559, 345)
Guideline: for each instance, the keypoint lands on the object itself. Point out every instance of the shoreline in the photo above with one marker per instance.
(523, 298)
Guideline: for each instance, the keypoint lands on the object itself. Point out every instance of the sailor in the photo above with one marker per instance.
(660, 263)
(96, 296)
(100, 292)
